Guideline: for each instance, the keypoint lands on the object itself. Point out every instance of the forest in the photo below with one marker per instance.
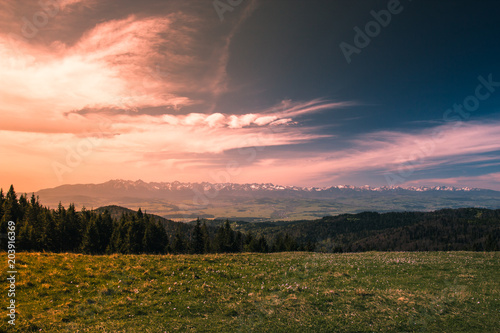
(116, 229)
(39, 228)
(463, 229)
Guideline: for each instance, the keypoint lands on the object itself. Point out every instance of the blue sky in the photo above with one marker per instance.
(251, 91)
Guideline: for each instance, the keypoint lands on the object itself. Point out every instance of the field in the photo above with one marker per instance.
(281, 292)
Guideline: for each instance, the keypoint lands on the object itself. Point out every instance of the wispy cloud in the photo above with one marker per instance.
(104, 69)
(376, 154)
(126, 63)
(143, 89)
(122, 85)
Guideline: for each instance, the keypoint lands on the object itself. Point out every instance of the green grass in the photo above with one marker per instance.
(284, 292)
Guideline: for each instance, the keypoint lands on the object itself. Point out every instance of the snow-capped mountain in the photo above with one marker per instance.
(266, 201)
(139, 185)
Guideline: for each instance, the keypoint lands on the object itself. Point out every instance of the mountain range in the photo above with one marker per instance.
(263, 202)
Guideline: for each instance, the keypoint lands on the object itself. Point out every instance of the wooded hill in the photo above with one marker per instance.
(464, 229)
(115, 229)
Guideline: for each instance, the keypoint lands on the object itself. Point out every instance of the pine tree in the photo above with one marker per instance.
(60, 232)
(2, 199)
(206, 238)
(134, 236)
(262, 247)
(72, 229)
(197, 242)
(155, 237)
(117, 241)
(105, 229)
(23, 206)
(254, 245)
(30, 230)
(290, 243)
(49, 232)
(90, 243)
(249, 238)
(238, 242)
(11, 209)
(219, 241)
(279, 244)
(179, 245)
(148, 239)
(229, 239)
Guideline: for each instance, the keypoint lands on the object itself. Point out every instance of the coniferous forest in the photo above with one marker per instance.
(118, 230)
(63, 229)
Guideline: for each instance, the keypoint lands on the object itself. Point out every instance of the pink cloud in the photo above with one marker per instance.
(378, 153)
(126, 63)
(101, 70)
(86, 89)
(135, 140)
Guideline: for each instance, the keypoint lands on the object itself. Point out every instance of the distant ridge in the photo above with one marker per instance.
(177, 186)
(263, 202)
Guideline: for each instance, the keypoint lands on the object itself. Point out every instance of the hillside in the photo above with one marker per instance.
(279, 292)
(465, 229)
(444, 230)
(171, 227)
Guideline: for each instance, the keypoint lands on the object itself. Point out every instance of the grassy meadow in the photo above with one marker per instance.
(279, 292)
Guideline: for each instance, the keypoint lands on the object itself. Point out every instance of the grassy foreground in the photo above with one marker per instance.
(281, 292)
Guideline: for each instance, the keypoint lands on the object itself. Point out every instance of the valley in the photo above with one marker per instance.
(262, 202)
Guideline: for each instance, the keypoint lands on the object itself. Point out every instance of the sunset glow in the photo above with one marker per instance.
(165, 90)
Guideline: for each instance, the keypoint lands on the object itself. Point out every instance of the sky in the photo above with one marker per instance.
(306, 93)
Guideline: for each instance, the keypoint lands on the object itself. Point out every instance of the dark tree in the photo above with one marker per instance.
(206, 238)
(91, 241)
(155, 237)
(179, 244)
(197, 241)
(10, 208)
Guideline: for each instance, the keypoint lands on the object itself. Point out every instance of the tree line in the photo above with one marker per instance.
(463, 229)
(118, 230)
(39, 228)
